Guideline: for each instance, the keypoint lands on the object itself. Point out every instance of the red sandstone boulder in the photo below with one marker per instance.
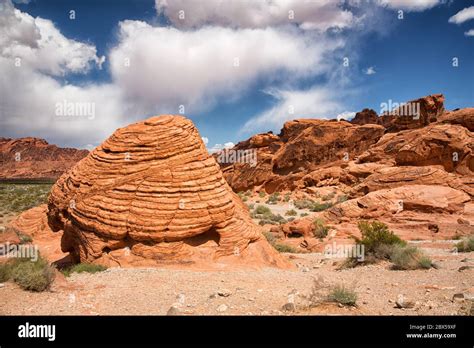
(151, 194)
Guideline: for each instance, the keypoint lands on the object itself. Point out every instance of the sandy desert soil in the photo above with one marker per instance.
(149, 291)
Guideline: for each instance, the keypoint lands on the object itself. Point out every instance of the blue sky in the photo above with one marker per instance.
(183, 62)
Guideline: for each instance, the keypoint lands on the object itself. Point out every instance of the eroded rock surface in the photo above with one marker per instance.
(151, 194)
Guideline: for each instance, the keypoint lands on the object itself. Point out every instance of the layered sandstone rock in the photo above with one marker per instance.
(151, 193)
(33, 158)
(413, 114)
(302, 147)
(451, 146)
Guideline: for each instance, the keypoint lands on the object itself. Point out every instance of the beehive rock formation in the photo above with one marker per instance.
(151, 193)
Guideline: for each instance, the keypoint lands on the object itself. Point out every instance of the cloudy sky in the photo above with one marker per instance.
(73, 71)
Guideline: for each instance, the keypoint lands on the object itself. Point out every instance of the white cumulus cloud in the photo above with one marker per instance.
(409, 5)
(168, 67)
(313, 103)
(463, 16)
(469, 32)
(313, 15)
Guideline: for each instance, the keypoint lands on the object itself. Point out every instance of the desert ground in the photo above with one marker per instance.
(447, 289)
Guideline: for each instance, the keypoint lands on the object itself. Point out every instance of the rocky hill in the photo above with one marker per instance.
(33, 158)
(417, 177)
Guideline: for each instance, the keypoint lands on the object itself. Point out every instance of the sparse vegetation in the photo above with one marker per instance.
(251, 206)
(291, 212)
(328, 197)
(342, 198)
(304, 203)
(287, 197)
(409, 258)
(378, 241)
(343, 295)
(29, 275)
(261, 194)
(375, 234)
(282, 248)
(274, 198)
(261, 209)
(304, 214)
(83, 268)
(465, 245)
(320, 206)
(320, 230)
(17, 197)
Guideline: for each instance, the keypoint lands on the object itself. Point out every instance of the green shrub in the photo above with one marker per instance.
(304, 214)
(5, 271)
(270, 237)
(33, 276)
(287, 197)
(304, 203)
(409, 258)
(261, 194)
(343, 295)
(320, 230)
(328, 197)
(248, 193)
(273, 198)
(376, 233)
(24, 238)
(251, 205)
(466, 245)
(83, 268)
(283, 248)
(291, 212)
(320, 206)
(342, 198)
(261, 209)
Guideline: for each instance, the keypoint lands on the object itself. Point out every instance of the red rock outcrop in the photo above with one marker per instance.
(302, 147)
(152, 194)
(451, 146)
(33, 158)
(413, 114)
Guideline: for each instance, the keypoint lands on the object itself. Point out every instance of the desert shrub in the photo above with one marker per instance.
(283, 248)
(304, 214)
(344, 295)
(273, 198)
(304, 203)
(32, 275)
(248, 193)
(376, 233)
(83, 268)
(342, 198)
(24, 238)
(409, 257)
(320, 230)
(261, 194)
(270, 237)
(320, 206)
(291, 212)
(328, 197)
(261, 209)
(5, 271)
(251, 206)
(465, 245)
(287, 197)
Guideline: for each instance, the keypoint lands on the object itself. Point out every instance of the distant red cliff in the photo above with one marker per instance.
(34, 158)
